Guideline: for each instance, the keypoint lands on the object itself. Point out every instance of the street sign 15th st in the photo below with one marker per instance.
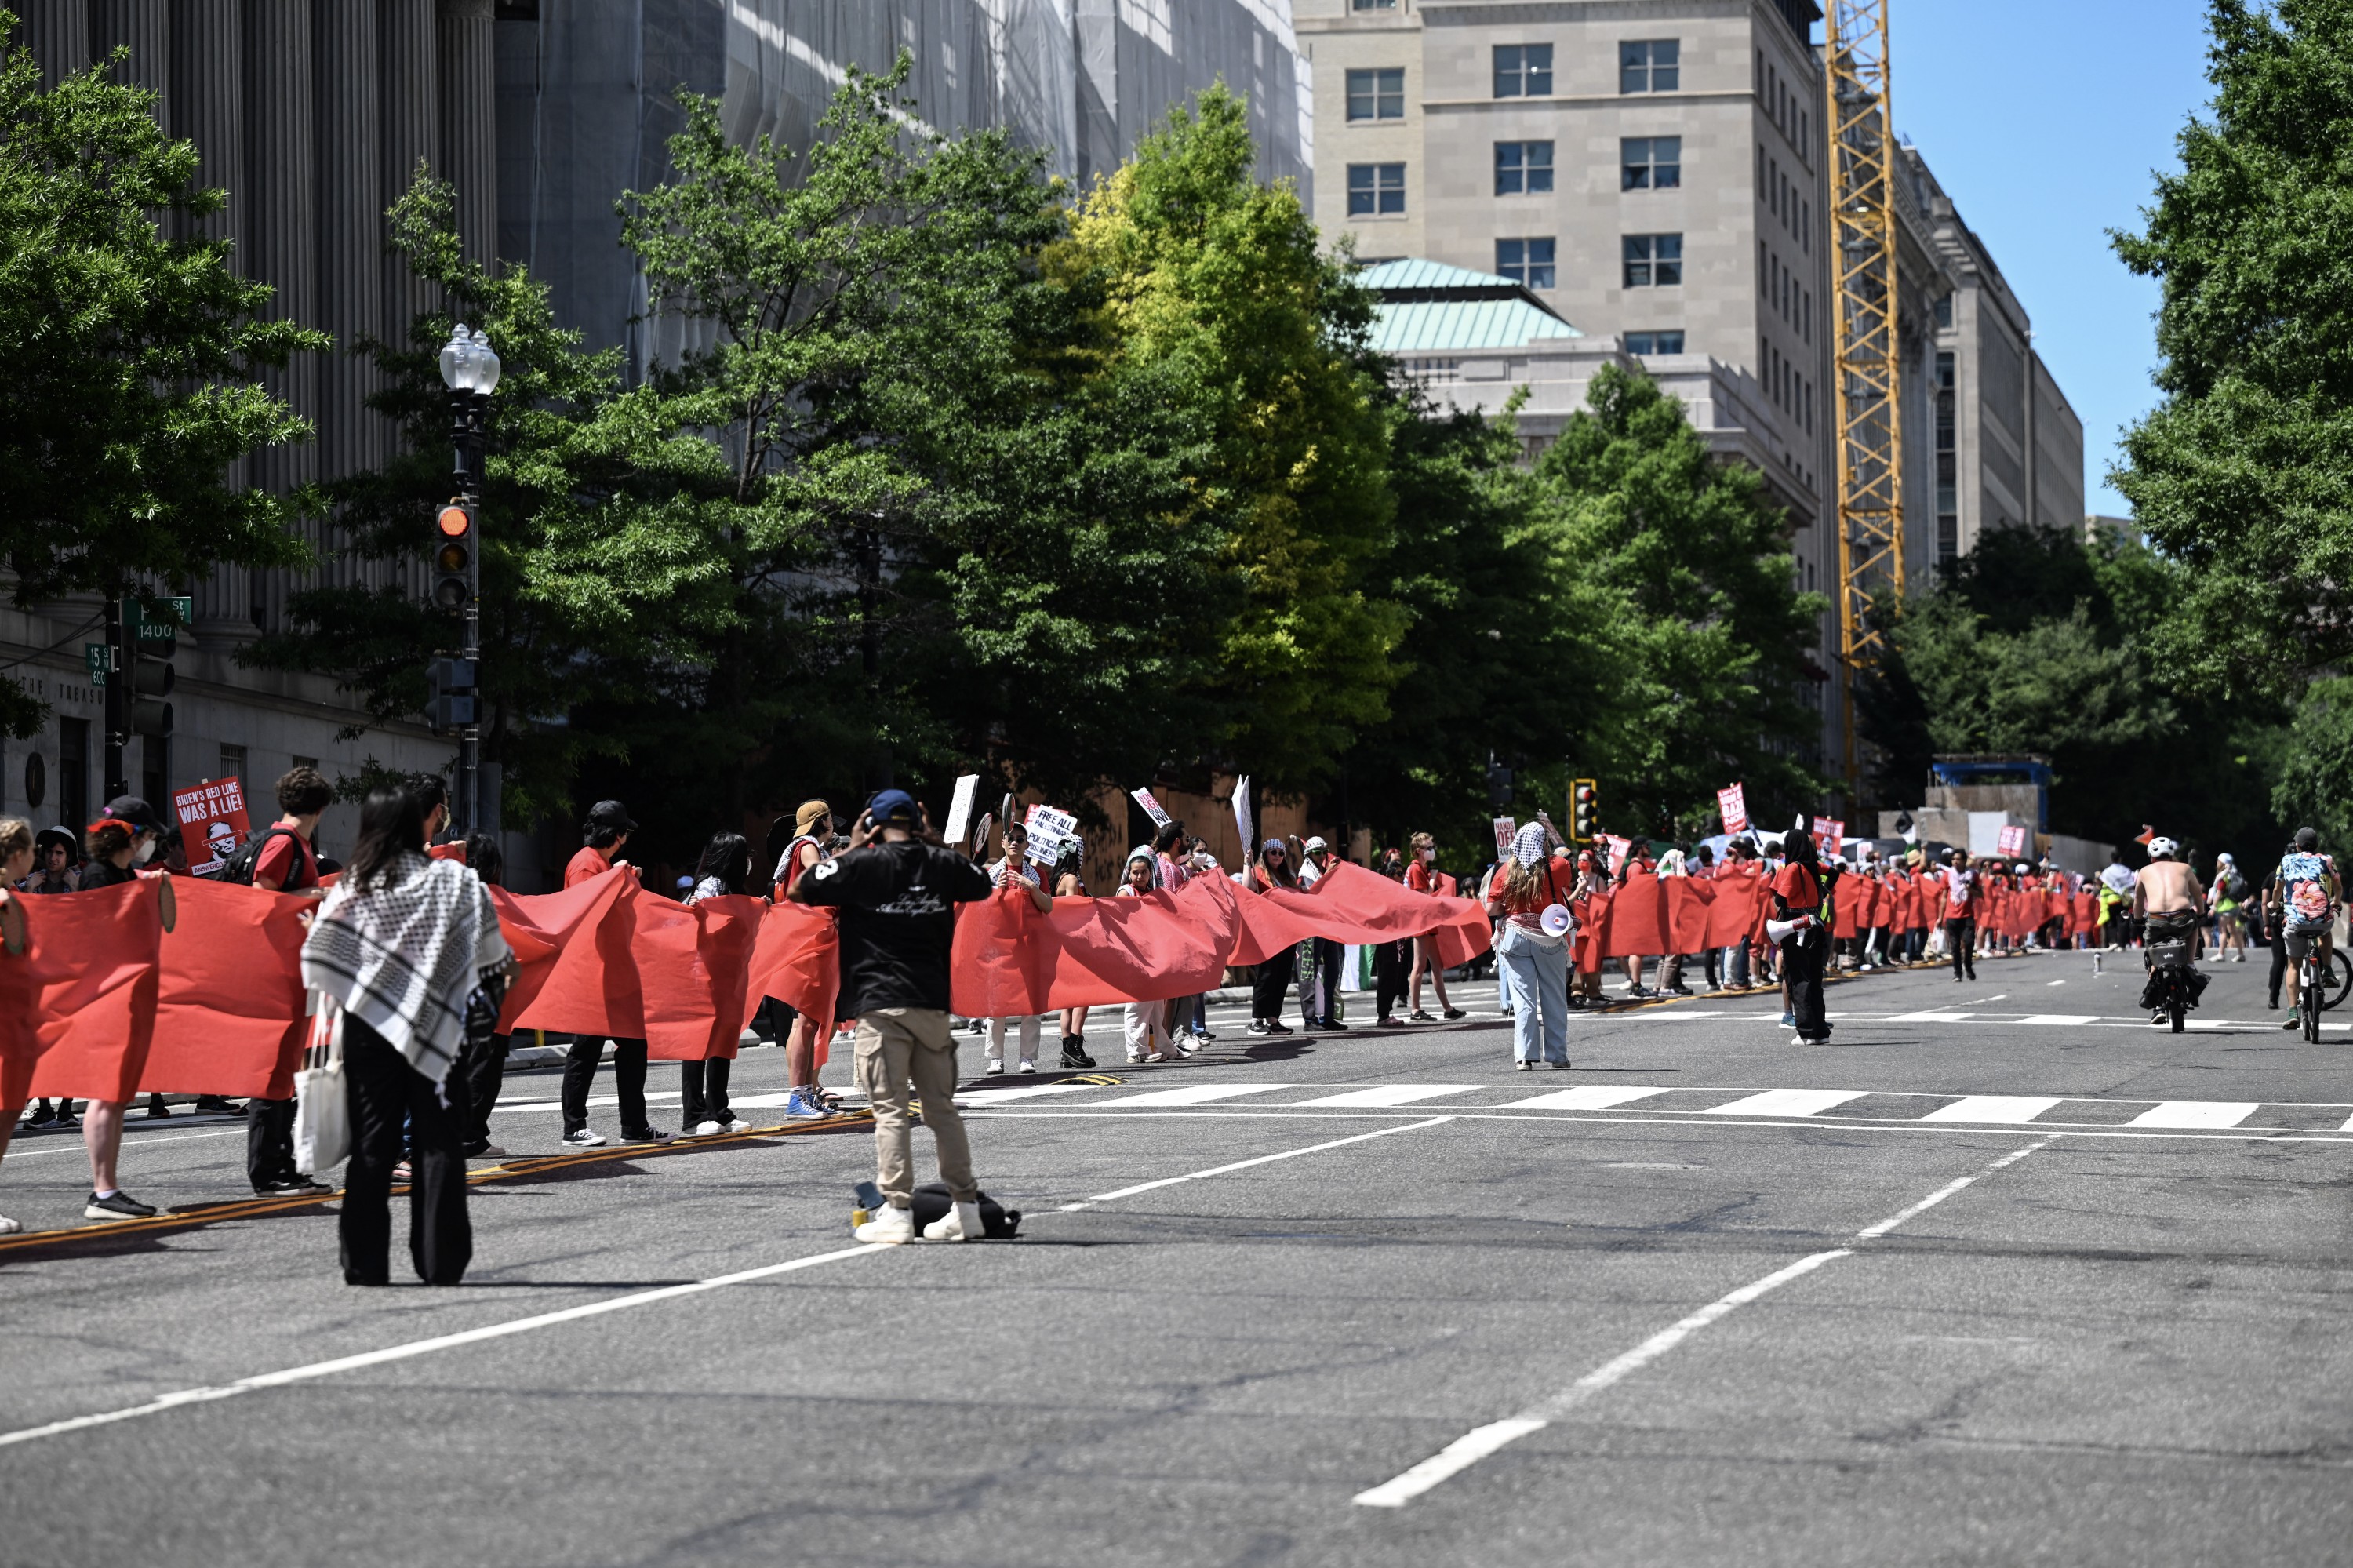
(101, 661)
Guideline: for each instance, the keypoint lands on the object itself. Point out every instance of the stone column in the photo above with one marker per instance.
(407, 58)
(468, 125)
(349, 167)
(57, 31)
(145, 26)
(281, 180)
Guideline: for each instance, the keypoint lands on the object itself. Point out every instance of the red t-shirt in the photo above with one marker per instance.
(1419, 877)
(287, 863)
(589, 863)
(1799, 888)
(1549, 889)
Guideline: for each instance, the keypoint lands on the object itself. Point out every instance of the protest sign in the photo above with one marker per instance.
(1143, 797)
(960, 808)
(212, 821)
(1504, 829)
(1732, 804)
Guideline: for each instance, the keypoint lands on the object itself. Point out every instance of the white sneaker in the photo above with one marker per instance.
(707, 1128)
(736, 1124)
(994, 1069)
(960, 1223)
(1134, 1056)
(8, 1227)
(891, 1226)
(1028, 1066)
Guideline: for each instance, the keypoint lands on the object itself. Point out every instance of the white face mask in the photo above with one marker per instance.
(144, 853)
(1429, 855)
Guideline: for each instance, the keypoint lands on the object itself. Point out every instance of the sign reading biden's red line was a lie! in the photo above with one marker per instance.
(213, 823)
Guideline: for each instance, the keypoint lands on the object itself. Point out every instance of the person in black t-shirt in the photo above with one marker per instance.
(897, 925)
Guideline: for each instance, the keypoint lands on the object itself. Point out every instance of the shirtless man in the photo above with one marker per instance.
(2166, 889)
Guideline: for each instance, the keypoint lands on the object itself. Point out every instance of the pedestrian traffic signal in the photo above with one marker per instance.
(1499, 786)
(451, 703)
(1584, 823)
(454, 575)
(152, 632)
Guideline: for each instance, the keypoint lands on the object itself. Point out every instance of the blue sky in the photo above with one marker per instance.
(2044, 121)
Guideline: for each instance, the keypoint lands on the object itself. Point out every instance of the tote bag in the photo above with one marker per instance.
(323, 1112)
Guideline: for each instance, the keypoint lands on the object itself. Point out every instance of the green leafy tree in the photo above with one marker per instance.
(2242, 472)
(133, 357)
(1218, 283)
(2315, 772)
(1693, 638)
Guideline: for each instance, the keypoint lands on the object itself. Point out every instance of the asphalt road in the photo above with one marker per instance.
(2019, 1279)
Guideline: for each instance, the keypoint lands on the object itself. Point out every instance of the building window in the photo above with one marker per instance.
(232, 765)
(1651, 66)
(1525, 262)
(1948, 500)
(1945, 312)
(1653, 260)
(1373, 4)
(1523, 168)
(1375, 190)
(1641, 342)
(1649, 163)
(1376, 94)
(1524, 70)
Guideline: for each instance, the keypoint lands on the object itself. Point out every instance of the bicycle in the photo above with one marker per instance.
(2312, 991)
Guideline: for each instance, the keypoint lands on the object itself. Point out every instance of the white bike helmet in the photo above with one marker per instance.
(2162, 846)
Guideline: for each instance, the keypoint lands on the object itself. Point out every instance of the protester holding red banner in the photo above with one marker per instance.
(1421, 876)
(1069, 882)
(1798, 898)
(604, 836)
(125, 838)
(811, 842)
(1272, 984)
(1962, 903)
(1014, 870)
(15, 864)
(1390, 959)
(724, 869)
(288, 862)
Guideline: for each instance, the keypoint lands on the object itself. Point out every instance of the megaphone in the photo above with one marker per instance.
(1779, 930)
(1557, 919)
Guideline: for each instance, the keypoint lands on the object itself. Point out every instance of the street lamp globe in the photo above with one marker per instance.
(486, 363)
(457, 356)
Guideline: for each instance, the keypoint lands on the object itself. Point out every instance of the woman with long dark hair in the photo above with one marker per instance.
(725, 868)
(1270, 870)
(1528, 884)
(1069, 882)
(1798, 897)
(403, 958)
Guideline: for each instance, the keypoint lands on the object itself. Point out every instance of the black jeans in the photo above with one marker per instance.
(1961, 937)
(268, 1143)
(1801, 968)
(1391, 962)
(383, 1089)
(2279, 967)
(628, 1082)
(705, 1092)
(1271, 985)
(478, 1076)
(1318, 1004)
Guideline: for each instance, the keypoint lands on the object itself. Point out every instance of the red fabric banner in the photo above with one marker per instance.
(1738, 913)
(798, 960)
(1013, 961)
(1592, 941)
(229, 1017)
(1637, 927)
(89, 976)
(1351, 904)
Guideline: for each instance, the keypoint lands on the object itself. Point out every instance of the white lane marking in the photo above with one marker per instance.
(2054, 983)
(17, 1152)
(1997, 996)
(1245, 1164)
(2009, 1109)
(426, 1347)
(1477, 1443)
(992, 1096)
(1592, 1096)
(2061, 1019)
(1394, 1094)
(1785, 1102)
(1681, 1012)
(2195, 1113)
(1194, 1095)
(1931, 1016)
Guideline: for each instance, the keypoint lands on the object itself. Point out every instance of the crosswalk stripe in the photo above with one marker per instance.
(1394, 1094)
(2061, 1018)
(1992, 1109)
(1195, 1095)
(1591, 1097)
(1933, 1015)
(2195, 1113)
(998, 1096)
(1785, 1102)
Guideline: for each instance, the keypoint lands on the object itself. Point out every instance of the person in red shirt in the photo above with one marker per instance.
(1798, 892)
(1525, 885)
(603, 837)
(288, 862)
(1421, 875)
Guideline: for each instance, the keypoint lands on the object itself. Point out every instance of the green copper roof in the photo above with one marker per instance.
(1429, 307)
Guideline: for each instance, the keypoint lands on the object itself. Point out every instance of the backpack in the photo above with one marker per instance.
(238, 867)
(2308, 895)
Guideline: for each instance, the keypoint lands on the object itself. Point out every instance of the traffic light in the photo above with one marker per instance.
(455, 573)
(153, 635)
(1499, 786)
(452, 703)
(1584, 811)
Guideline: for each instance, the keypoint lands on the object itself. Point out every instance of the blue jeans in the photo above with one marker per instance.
(1539, 972)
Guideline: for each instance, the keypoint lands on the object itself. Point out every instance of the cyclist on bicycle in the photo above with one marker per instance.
(2169, 904)
(2308, 892)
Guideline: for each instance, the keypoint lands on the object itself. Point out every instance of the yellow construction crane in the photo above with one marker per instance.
(1863, 264)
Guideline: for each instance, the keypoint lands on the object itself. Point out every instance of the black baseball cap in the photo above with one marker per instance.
(137, 813)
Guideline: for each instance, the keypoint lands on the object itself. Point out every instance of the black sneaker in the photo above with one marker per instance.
(1454, 1013)
(45, 1113)
(646, 1135)
(1258, 1026)
(217, 1104)
(115, 1205)
(1418, 1016)
(156, 1109)
(1276, 1026)
(1333, 1023)
(293, 1187)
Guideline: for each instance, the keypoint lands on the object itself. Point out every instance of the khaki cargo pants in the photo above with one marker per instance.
(896, 1046)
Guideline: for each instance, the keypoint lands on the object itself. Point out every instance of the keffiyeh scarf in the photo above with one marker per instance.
(407, 957)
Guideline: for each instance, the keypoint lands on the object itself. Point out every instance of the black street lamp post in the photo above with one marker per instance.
(471, 370)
